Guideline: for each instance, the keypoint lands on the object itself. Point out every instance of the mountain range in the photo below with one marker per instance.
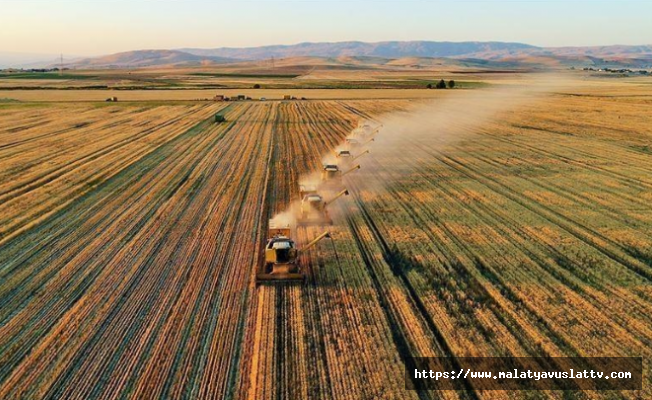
(392, 49)
(419, 52)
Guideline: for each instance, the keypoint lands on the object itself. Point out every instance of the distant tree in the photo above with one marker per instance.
(441, 84)
(257, 86)
(451, 84)
(429, 86)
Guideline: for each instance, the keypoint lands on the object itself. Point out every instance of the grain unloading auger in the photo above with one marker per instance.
(314, 210)
(357, 167)
(281, 262)
(374, 132)
(360, 155)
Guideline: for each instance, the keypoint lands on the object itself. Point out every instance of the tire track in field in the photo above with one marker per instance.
(497, 222)
(56, 201)
(167, 197)
(87, 281)
(400, 338)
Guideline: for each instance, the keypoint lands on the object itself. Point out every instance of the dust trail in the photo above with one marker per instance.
(285, 218)
(436, 124)
(451, 118)
(411, 134)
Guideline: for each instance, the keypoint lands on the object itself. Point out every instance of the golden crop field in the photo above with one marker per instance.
(130, 234)
(193, 95)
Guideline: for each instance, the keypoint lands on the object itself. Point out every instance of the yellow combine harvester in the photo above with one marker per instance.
(356, 142)
(313, 209)
(281, 262)
(333, 173)
(366, 130)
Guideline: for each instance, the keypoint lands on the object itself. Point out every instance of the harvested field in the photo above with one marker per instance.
(194, 94)
(129, 234)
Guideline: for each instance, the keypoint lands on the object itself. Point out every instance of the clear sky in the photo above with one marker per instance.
(95, 27)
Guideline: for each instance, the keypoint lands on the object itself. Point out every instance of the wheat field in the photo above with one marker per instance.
(130, 233)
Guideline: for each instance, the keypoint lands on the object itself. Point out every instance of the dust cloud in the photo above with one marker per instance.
(412, 134)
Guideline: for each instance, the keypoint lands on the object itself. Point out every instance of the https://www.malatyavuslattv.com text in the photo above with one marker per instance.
(524, 373)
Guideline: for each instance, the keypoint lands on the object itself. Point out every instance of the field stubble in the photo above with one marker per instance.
(130, 234)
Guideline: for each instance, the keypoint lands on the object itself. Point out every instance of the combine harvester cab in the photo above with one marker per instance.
(343, 154)
(344, 157)
(351, 160)
(305, 190)
(281, 263)
(314, 210)
(331, 173)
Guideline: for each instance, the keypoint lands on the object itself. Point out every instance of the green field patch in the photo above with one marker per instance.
(45, 75)
(224, 75)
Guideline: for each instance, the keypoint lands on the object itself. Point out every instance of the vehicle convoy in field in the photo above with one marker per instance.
(313, 210)
(281, 263)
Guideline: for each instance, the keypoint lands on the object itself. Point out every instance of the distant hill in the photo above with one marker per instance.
(392, 49)
(147, 58)
(497, 51)
(389, 54)
(10, 59)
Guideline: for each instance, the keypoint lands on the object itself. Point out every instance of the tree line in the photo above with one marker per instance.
(442, 85)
